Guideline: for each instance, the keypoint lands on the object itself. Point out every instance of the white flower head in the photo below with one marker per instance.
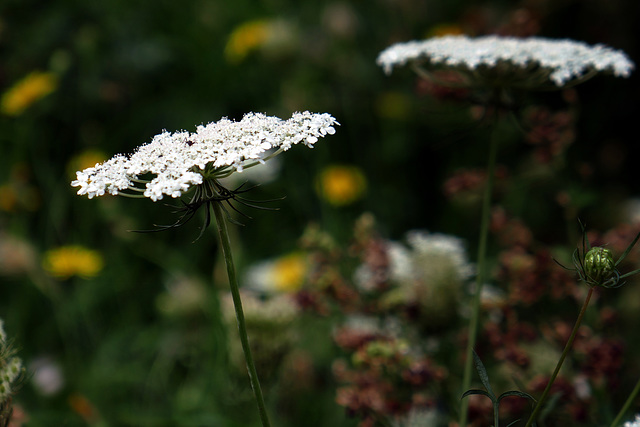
(634, 423)
(556, 61)
(177, 161)
(429, 255)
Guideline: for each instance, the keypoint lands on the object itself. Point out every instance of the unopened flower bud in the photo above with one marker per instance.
(599, 264)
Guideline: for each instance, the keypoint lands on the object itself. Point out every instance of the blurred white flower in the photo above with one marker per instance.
(422, 417)
(47, 376)
(183, 295)
(634, 423)
(428, 273)
(558, 61)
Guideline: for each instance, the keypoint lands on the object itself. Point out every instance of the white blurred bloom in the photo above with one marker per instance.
(47, 377)
(632, 210)
(428, 256)
(10, 366)
(429, 272)
(561, 60)
(418, 418)
(180, 160)
(635, 423)
(184, 295)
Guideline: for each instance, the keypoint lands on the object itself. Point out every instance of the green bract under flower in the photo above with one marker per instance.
(525, 62)
(182, 159)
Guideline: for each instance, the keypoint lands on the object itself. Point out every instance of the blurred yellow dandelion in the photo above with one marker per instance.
(245, 38)
(341, 185)
(84, 160)
(289, 272)
(284, 274)
(73, 260)
(25, 92)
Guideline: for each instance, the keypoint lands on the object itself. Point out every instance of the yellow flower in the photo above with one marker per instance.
(30, 89)
(84, 160)
(289, 272)
(67, 261)
(341, 185)
(284, 274)
(246, 38)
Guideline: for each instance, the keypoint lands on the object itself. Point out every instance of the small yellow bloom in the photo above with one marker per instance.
(67, 261)
(30, 89)
(289, 272)
(284, 274)
(341, 185)
(246, 38)
(84, 160)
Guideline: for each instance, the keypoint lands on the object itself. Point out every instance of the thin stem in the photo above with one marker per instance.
(482, 272)
(626, 405)
(237, 303)
(565, 352)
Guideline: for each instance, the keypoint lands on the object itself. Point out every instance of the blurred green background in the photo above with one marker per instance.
(129, 348)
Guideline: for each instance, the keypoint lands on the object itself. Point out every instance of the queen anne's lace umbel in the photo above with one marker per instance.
(178, 160)
(564, 59)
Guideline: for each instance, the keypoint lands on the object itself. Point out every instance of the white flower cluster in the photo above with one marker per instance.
(430, 256)
(177, 159)
(634, 423)
(10, 367)
(565, 59)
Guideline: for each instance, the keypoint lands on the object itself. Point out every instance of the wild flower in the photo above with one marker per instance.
(284, 274)
(428, 276)
(180, 161)
(274, 36)
(174, 163)
(73, 260)
(341, 185)
(10, 371)
(48, 378)
(634, 423)
(531, 62)
(17, 256)
(27, 91)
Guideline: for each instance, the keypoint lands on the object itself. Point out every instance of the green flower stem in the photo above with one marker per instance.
(482, 272)
(626, 405)
(237, 303)
(565, 352)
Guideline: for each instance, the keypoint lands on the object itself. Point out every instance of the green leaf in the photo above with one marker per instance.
(482, 372)
(477, 391)
(517, 394)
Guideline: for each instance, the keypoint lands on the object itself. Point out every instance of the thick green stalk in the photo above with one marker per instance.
(482, 272)
(565, 352)
(237, 303)
(626, 405)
